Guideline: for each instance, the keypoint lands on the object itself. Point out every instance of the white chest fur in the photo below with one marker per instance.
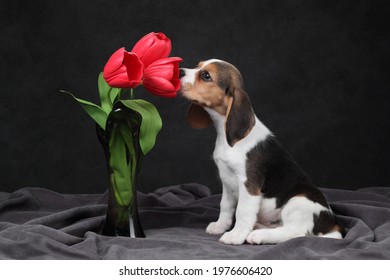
(231, 161)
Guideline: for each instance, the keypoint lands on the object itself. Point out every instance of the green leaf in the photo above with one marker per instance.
(107, 94)
(115, 92)
(127, 135)
(93, 110)
(151, 121)
(121, 176)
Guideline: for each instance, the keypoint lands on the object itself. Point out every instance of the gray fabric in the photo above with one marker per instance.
(40, 224)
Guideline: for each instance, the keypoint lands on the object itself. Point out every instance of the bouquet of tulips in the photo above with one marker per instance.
(127, 127)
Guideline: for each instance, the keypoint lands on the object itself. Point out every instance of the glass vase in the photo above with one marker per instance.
(121, 220)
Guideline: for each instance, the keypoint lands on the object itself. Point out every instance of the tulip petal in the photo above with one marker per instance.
(160, 86)
(151, 47)
(155, 52)
(123, 70)
(167, 60)
(162, 77)
(164, 71)
(134, 68)
(166, 67)
(114, 65)
(143, 44)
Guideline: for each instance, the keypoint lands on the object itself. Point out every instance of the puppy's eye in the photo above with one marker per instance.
(205, 76)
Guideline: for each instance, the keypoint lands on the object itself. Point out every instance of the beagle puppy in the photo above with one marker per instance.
(265, 192)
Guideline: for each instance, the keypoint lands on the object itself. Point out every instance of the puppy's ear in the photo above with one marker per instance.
(240, 117)
(198, 117)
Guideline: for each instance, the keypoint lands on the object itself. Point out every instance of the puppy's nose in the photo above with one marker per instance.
(182, 73)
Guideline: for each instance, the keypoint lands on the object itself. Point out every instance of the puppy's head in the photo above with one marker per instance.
(218, 86)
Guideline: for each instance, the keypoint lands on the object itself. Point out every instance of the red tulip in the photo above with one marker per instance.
(152, 47)
(123, 70)
(162, 77)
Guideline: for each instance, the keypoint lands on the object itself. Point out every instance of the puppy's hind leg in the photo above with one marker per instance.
(273, 235)
(297, 221)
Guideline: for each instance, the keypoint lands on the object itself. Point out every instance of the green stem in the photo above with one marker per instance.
(120, 94)
(133, 167)
(131, 93)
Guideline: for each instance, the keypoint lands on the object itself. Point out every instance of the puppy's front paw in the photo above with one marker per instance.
(217, 227)
(233, 237)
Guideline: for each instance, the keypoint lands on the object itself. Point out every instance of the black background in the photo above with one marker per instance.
(317, 73)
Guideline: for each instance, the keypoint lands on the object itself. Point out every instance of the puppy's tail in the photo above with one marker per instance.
(337, 232)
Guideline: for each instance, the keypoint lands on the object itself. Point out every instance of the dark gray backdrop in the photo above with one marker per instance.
(317, 73)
